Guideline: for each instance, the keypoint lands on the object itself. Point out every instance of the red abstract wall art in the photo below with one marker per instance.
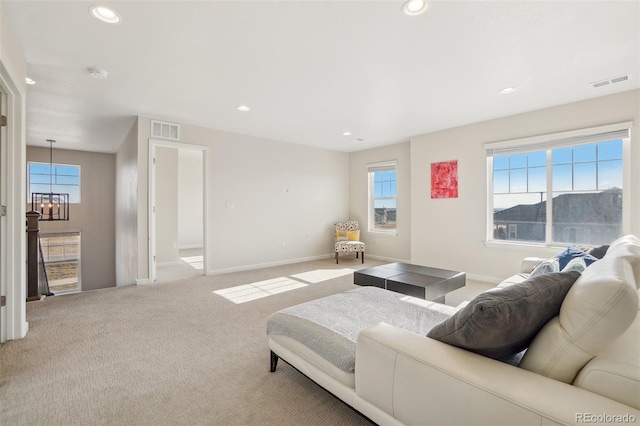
(444, 179)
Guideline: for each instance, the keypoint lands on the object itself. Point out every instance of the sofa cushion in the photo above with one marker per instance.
(598, 308)
(565, 256)
(628, 248)
(502, 321)
(615, 372)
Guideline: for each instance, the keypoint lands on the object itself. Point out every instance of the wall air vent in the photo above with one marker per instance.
(160, 129)
(614, 80)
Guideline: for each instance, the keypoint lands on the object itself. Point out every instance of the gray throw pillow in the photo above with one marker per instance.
(503, 321)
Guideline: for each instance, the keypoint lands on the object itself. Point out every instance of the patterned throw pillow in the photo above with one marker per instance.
(546, 267)
(565, 256)
(575, 264)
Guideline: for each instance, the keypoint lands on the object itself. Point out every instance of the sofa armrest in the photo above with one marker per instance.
(414, 378)
(529, 263)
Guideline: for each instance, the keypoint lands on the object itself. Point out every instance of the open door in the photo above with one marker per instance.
(168, 218)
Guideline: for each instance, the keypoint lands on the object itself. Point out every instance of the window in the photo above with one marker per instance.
(61, 257)
(58, 178)
(565, 188)
(382, 197)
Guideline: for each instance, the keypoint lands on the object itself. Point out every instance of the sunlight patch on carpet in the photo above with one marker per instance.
(196, 262)
(248, 292)
(320, 275)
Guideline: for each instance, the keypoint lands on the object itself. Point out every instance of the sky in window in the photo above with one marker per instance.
(59, 179)
(522, 178)
(384, 185)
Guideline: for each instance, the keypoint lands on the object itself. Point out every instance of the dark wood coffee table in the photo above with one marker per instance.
(413, 280)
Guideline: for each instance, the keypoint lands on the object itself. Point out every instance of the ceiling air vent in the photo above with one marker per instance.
(160, 129)
(614, 80)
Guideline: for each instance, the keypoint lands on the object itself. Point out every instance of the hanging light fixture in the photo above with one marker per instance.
(51, 205)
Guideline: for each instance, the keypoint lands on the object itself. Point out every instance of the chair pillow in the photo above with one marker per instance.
(353, 235)
(503, 321)
(341, 235)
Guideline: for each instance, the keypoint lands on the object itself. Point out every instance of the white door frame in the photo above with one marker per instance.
(3, 221)
(13, 273)
(153, 144)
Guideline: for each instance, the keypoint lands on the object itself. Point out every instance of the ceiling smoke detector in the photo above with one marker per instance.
(613, 80)
(98, 73)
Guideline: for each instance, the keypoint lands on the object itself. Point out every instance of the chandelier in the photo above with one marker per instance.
(51, 205)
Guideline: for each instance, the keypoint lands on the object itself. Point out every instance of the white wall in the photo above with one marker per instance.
(390, 247)
(190, 199)
(13, 71)
(265, 197)
(127, 209)
(166, 204)
(94, 217)
(450, 233)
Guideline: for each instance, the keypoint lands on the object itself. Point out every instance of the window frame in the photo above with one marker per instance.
(390, 165)
(77, 259)
(58, 185)
(547, 143)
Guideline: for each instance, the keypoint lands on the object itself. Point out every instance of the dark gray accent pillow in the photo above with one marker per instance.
(503, 321)
(599, 252)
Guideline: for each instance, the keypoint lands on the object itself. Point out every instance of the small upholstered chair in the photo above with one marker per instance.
(347, 238)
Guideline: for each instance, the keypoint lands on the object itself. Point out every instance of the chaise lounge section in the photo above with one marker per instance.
(582, 366)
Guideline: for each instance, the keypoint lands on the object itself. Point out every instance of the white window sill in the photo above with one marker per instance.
(522, 245)
(384, 233)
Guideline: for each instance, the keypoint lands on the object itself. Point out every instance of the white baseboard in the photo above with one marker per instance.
(386, 259)
(142, 281)
(189, 247)
(267, 265)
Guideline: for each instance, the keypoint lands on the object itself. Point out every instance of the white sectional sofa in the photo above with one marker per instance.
(582, 367)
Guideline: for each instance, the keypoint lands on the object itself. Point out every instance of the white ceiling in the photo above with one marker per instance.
(311, 70)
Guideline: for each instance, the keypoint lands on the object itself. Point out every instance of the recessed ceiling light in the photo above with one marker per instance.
(415, 7)
(507, 90)
(104, 14)
(98, 73)
(346, 134)
(30, 81)
(243, 108)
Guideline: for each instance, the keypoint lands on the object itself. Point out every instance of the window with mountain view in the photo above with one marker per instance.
(566, 189)
(382, 197)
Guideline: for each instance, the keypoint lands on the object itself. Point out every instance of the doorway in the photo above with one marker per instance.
(177, 232)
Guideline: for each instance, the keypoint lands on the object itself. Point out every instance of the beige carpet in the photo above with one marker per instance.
(167, 354)
(171, 354)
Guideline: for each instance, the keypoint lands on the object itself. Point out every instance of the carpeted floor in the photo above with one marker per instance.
(168, 354)
(171, 354)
